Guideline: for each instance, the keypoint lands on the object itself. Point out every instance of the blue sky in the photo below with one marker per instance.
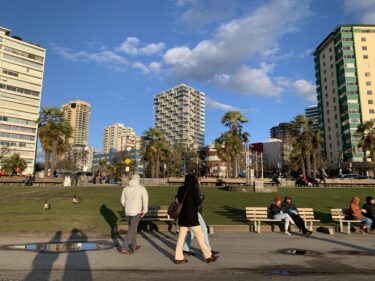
(252, 56)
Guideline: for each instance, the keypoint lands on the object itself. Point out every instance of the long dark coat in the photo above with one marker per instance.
(189, 212)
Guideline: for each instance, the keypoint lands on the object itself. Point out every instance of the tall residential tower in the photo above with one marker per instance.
(179, 113)
(345, 78)
(21, 79)
(117, 137)
(78, 114)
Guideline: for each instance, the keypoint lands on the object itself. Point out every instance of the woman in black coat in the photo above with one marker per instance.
(189, 196)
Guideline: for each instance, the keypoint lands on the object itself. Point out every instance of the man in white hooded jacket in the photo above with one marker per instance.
(134, 199)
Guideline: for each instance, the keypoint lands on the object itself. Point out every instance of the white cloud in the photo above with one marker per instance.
(213, 104)
(98, 57)
(251, 80)
(141, 66)
(224, 57)
(193, 14)
(131, 47)
(155, 66)
(305, 89)
(363, 9)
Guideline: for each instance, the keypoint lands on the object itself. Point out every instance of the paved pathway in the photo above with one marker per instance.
(245, 256)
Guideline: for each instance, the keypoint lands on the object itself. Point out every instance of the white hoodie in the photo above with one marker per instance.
(134, 197)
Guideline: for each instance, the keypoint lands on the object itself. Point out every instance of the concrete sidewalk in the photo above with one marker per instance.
(241, 255)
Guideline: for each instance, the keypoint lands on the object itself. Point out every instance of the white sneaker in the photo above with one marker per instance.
(287, 233)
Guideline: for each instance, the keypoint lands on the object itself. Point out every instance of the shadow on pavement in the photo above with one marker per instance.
(111, 219)
(43, 263)
(77, 260)
(157, 247)
(345, 244)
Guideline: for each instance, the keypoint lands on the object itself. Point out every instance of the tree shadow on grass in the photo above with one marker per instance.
(323, 217)
(234, 214)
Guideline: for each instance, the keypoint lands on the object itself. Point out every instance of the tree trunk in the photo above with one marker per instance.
(47, 156)
(152, 168)
(303, 167)
(157, 167)
(373, 161)
(55, 144)
(308, 165)
(234, 165)
(314, 164)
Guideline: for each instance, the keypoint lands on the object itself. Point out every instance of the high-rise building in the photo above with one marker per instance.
(21, 79)
(281, 132)
(345, 79)
(312, 115)
(179, 113)
(78, 114)
(117, 137)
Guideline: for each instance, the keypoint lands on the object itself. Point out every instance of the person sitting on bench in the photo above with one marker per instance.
(277, 214)
(290, 208)
(370, 209)
(359, 214)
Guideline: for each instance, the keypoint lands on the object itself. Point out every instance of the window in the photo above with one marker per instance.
(368, 83)
(331, 65)
(365, 57)
(371, 111)
(369, 92)
(370, 101)
(330, 57)
(367, 74)
(364, 48)
(363, 39)
(330, 49)
(366, 65)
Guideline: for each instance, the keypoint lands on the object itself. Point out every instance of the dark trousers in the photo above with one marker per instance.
(299, 222)
(130, 241)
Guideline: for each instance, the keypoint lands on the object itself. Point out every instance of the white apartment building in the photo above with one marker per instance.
(180, 114)
(21, 79)
(118, 137)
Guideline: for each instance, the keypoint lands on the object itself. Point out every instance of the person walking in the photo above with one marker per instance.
(277, 213)
(359, 214)
(323, 177)
(134, 199)
(188, 195)
(290, 208)
(190, 235)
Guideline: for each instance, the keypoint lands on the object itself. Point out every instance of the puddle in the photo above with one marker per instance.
(280, 272)
(62, 247)
(298, 252)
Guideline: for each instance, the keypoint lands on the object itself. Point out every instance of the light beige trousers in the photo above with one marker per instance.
(197, 230)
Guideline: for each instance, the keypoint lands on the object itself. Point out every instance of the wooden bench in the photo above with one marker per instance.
(261, 214)
(340, 215)
(20, 181)
(157, 213)
(233, 181)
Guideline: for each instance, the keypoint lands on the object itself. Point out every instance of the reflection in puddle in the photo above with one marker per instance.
(62, 247)
(298, 252)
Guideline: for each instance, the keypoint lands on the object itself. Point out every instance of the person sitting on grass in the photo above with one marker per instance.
(370, 209)
(277, 213)
(290, 208)
(359, 214)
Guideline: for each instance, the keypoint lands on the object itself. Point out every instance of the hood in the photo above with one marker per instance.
(355, 200)
(288, 197)
(368, 199)
(135, 180)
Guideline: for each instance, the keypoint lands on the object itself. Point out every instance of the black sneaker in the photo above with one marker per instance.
(307, 234)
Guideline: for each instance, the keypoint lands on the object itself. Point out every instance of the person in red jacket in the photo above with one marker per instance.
(358, 214)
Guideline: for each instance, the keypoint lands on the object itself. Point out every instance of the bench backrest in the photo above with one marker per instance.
(256, 213)
(339, 214)
(306, 213)
(157, 212)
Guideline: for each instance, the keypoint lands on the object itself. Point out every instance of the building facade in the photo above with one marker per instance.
(312, 115)
(281, 132)
(180, 114)
(345, 79)
(78, 114)
(21, 79)
(117, 137)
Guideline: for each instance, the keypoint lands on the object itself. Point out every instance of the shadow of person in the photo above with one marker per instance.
(111, 219)
(77, 263)
(43, 263)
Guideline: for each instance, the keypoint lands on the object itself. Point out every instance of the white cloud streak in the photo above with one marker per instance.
(364, 10)
(131, 47)
(213, 104)
(223, 58)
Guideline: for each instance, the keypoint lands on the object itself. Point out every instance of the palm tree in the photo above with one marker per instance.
(54, 133)
(302, 144)
(154, 150)
(230, 145)
(367, 142)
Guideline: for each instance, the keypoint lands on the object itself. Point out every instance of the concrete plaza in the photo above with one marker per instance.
(243, 256)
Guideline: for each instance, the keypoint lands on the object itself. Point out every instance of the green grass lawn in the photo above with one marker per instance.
(21, 208)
